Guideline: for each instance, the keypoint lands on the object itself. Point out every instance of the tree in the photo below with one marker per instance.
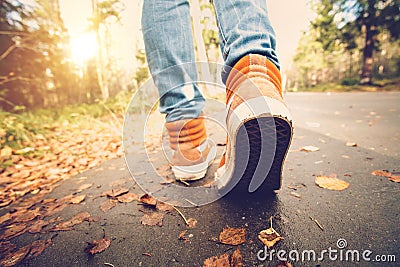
(342, 20)
(104, 13)
(33, 69)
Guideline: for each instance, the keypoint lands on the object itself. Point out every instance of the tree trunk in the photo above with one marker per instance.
(370, 35)
(100, 61)
(366, 74)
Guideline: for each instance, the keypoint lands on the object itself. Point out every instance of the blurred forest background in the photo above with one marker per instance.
(46, 83)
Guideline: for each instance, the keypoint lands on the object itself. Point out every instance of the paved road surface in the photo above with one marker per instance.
(366, 214)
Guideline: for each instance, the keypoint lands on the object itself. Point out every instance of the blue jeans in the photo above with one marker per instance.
(244, 28)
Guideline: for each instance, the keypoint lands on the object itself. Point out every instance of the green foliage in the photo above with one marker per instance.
(33, 69)
(104, 12)
(350, 81)
(348, 38)
(20, 130)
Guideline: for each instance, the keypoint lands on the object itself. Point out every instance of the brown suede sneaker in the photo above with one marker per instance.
(259, 126)
(193, 153)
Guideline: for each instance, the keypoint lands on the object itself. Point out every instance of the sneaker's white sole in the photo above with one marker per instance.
(194, 172)
(260, 133)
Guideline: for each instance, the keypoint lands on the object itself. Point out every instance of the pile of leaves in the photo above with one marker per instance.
(38, 150)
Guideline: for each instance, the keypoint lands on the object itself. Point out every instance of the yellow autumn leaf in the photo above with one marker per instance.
(331, 183)
(269, 236)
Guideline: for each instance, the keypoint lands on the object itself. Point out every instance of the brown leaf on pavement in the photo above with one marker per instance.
(98, 246)
(16, 257)
(331, 183)
(233, 236)
(225, 260)
(395, 179)
(6, 247)
(382, 173)
(127, 198)
(152, 219)
(386, 174)
(237, 259)
(221, 261)
(24, 215)
(147, 199)
(269, 236)
(77, 219)
(161, 206)
(310, 149)
(38, 246)
(13, 231)
(77, 199)
(182, 235)
(191, 223)
(115, 192)
(5, 203)
(84, 187)
(6, 217)
(37, 226)
(107, 205)
(53, 208)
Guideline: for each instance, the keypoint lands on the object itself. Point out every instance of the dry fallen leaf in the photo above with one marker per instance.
(309, 149)
(77, 199)
(5, 217)
(37, 247)
(6, 247)
(107, 205)
(221, 261)
(331, 183)
(15, 257)
(233, 236)
(13, 231)
(225, 260)
(395, 179)
(382, 173)
(182, 235)
(37, 226)
(127, 198)
(149, 200)
(84, 187)
(237, 259)
(269, 236)
(161, 206)
(77, 219)
(6, 152)
(115, 192)
(5, 203)
(98, 246)
(191, 223)
(389, 175)
(152, 219)
(22, 215)
(295, 194)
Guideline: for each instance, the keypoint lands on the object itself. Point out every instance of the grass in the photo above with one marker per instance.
(378, 86)
(20, 130)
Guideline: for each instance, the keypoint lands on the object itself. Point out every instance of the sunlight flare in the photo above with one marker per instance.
(83, 47)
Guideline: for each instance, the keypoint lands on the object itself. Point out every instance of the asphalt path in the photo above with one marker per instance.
(364, 218)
